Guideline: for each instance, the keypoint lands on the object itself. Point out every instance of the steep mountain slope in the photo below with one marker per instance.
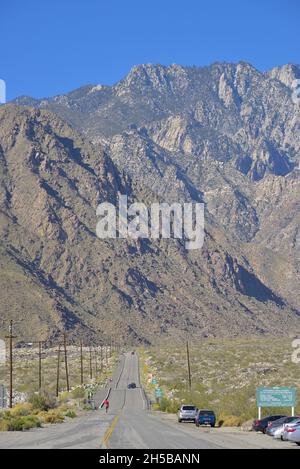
(226, 135)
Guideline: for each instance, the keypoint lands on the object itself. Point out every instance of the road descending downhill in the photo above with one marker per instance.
(129, 424)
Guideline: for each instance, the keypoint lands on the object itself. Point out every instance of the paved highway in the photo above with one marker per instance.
(129, 424)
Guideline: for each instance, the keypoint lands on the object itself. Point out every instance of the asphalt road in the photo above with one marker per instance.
(129, 424)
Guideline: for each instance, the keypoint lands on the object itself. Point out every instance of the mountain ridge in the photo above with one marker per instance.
(226, 136)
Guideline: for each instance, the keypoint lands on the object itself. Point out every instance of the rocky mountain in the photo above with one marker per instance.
(227, 135)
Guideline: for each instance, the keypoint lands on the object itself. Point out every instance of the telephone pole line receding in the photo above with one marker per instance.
(10, 337)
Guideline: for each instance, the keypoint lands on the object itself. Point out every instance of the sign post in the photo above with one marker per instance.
(276, 397)
(158, 394)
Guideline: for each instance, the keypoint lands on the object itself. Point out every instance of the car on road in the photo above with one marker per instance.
(187, 413)
(131, 386)
(293, 434)
(262, 424)
(276, 427)
(205, 417)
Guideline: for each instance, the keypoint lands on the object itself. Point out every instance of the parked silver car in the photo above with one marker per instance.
(287, 427)
(293, 434)
(276, 428)
(187, 413)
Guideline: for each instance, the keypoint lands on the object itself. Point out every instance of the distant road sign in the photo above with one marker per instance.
(154, 381)
(158, 392)
(276, 397)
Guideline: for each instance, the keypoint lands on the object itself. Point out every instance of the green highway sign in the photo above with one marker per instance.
(276, 397)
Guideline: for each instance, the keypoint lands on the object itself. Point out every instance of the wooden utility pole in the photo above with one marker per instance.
(81, 364)
(101, 357)
(10, 337)
(58, 370)
(40, 365)
(91, 368)
(66, 361)
(96, 362)
(40, 342)
(188, 363)
(40, 355)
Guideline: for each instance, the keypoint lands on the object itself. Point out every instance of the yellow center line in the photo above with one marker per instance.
(109, 432)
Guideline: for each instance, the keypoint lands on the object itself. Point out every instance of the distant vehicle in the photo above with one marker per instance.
(276, 427)
(287, 427)
(261, 425)
(205, 417)
(187, 413)
(131, 386)
(293, 434)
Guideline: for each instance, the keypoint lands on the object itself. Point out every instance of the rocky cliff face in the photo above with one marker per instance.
(226, 135)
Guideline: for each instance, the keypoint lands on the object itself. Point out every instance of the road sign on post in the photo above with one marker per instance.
(276, 397)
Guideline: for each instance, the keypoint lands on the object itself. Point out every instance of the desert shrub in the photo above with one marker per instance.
(167, 405)
(64, 396)
(4, 425)
(71, 414)
(62, 408)
(229, 421)
(31, 421)
(20, 410)
(78, 393)
(22, 423)
(42, 401)
(53, 417)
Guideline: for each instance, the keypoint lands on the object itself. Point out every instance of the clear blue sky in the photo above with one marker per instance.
(50, 47)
